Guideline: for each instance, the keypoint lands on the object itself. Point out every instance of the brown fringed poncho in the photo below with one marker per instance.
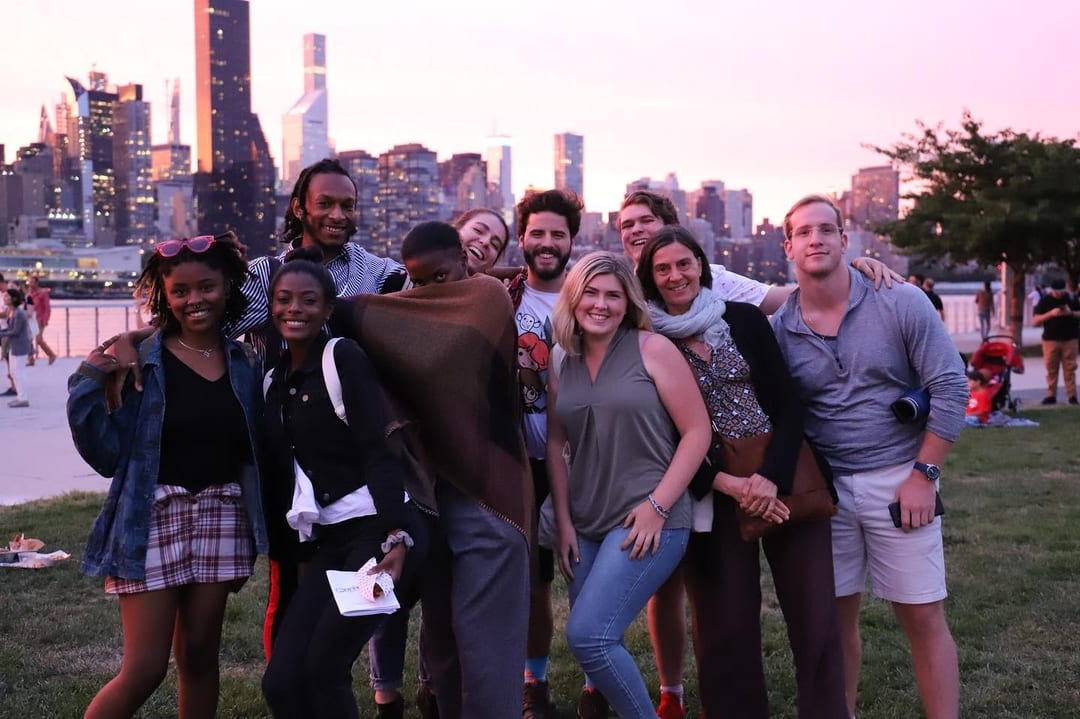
(447, 353)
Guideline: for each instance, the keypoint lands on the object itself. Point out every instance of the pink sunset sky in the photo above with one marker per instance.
(777, 96)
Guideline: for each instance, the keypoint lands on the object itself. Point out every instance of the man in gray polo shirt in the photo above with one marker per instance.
(853, 352)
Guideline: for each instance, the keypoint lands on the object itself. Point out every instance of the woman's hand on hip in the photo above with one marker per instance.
(645, 525)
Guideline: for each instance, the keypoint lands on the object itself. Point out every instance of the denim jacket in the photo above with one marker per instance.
(126, 445)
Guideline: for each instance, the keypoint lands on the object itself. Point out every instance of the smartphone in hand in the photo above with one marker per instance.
(894, 510)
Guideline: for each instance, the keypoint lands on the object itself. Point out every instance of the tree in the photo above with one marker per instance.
(990, 197)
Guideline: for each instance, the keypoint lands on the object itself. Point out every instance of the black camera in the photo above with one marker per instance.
(913, 406)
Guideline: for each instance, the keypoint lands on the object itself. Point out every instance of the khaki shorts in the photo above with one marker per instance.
(908, 568)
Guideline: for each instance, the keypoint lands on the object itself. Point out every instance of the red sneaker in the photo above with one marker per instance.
(671, 706)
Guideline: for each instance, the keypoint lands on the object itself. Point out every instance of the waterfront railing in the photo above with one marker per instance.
(77, 326)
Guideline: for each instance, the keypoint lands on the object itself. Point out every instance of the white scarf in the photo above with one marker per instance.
(704, 319)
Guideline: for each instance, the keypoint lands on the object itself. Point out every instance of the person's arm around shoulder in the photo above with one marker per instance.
(566, 553)
(98, 433)
(679, 393)
(875, 270)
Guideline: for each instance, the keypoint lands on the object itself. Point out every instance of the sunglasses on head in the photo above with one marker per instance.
(171, 248)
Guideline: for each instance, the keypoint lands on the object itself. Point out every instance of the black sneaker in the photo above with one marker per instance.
(425, 702)
(592, 705)
(10, 392)
(536, 701)
(1049, 400)
(392, 710)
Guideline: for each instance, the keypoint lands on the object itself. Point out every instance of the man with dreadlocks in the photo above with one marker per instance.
(321, 213)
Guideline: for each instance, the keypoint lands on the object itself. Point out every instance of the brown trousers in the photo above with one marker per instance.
(1060, 354)
(723, 578)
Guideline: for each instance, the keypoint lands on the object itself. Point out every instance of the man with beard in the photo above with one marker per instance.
(547, 224)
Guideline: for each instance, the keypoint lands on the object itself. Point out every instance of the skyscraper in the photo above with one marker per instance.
(570, 163)
(304, 137)
(875, 197)
(91, 165)
(234, 184)
(463, 179)
(739, 212)
(132, 166)
(499, 172)
(364, 169)
(172, 160)
(408, 193)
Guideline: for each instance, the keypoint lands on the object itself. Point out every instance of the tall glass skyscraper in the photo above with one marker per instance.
(570, 163)
(235, 178)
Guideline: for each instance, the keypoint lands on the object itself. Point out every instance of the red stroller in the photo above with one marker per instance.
(996, 359)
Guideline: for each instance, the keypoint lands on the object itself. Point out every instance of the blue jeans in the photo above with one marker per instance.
(607, 592)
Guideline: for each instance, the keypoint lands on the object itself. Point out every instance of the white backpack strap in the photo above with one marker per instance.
(333, 380)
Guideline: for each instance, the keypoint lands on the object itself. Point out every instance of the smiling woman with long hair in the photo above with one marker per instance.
(183, 518)
(625, 404)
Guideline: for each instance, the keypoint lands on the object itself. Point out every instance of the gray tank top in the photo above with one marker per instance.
(621, 438)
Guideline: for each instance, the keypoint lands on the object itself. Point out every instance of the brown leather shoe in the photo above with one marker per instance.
(536, 701)
(592, 704)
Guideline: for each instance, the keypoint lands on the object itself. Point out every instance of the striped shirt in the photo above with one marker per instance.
(355, 271)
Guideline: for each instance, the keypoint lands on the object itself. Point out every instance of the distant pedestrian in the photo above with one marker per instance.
(18, 330)
(1058, 313)
(1032, 298)
(984, 306)
(935, 299)
(38, 296)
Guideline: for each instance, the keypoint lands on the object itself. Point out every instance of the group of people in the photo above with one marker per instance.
(436, 419)
(24, 315)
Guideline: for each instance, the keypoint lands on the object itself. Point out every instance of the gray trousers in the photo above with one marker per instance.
(475, 610)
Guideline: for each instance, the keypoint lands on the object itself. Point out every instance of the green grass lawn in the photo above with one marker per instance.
(1012, 538)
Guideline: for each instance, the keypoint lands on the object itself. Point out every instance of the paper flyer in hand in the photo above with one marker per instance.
(359, 594)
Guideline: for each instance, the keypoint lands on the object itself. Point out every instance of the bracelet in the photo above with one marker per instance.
(665, 513)
(399, 536)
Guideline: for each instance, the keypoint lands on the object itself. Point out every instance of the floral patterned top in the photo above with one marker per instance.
(728, 392)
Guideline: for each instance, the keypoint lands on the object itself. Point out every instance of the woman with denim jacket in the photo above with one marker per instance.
(182, 521)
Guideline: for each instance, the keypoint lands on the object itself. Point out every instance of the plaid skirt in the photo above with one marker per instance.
(194, 539)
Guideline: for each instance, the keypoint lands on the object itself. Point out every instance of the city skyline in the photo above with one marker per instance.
(777, 99)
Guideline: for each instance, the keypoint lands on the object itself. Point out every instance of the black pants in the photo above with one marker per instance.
(310, 671)
(723, 578)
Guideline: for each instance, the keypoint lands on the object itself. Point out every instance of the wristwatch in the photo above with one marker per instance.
(932, 471)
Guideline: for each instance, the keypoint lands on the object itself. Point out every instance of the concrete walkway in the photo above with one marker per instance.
(38, 459)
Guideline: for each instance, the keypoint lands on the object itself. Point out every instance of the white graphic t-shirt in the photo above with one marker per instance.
(533, 319)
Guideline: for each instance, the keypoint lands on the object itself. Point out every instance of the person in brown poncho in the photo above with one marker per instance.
(447, 352)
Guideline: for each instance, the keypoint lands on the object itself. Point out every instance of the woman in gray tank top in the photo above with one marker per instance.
(625, 413)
